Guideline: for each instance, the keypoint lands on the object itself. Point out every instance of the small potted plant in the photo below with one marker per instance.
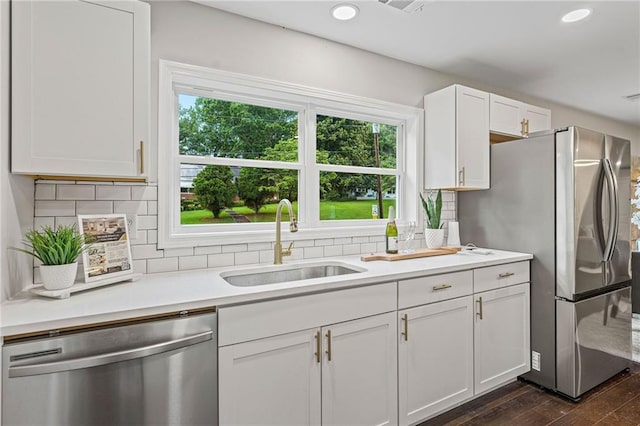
(433, 233)
(58, 250)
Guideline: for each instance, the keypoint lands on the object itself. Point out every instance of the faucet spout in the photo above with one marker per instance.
(278, 253)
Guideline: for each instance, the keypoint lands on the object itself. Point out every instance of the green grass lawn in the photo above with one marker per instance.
(329, 210)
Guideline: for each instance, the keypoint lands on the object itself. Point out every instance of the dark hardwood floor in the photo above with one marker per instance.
(614, 403)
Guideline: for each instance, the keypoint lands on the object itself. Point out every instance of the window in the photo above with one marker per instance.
(232, 146)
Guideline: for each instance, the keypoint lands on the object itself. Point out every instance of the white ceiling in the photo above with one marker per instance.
(516, 45)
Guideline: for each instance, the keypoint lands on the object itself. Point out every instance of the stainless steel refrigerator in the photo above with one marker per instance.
(563, 195)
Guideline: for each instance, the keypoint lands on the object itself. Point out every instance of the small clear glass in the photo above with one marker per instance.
(406, 233)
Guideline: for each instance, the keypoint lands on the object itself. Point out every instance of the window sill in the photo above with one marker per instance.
(262, 236)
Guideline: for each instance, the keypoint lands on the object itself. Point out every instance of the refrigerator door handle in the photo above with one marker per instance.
(612, 187)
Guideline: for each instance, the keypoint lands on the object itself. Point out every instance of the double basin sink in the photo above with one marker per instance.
(286, 273)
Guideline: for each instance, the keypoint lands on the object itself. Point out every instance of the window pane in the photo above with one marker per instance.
(216, 128)
(341, 141)
(355, 196)
(224, 194)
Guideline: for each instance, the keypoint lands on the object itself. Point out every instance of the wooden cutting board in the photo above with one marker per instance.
(416, 254)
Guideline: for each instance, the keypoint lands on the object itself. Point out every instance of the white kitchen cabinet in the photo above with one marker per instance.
(80, 88)
(517, 119)
(345, 371)
(359, 380)
(435, 368)
(275, 369)
(501, 336)
(275, 380)
(457, 138)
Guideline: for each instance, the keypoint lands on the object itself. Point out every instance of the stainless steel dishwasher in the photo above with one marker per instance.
(159, 370)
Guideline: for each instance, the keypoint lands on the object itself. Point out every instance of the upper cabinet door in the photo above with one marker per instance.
(457, 138)
(538, 119)
(506, 116)
(514, 118)
(80, 88)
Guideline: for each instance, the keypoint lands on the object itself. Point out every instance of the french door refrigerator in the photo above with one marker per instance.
(563, 195)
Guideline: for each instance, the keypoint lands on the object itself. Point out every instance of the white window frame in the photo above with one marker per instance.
(308, 102)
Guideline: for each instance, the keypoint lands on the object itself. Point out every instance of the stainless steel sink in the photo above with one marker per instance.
(286, 273)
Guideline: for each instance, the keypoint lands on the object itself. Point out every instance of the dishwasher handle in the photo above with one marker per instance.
(109, 358)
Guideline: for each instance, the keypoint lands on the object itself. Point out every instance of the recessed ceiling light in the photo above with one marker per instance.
(576, 15)
(344, 12)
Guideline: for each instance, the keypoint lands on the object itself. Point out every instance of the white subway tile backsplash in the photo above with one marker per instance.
(175, 252)
(266, 256)
(104, 192)
(342, 240)
(130, 207)
(76, 192)
(247, 258)
(303, 243)
(368, 247)
(258, 246)
(66, 221)
(192, 262)
(348, 249)
(296, 254)
(167, 264)
(139, 238)
(58, 202)
(381, 246)
(55, 208)
(233, 248)
(45, 191)
(147, 222)
(208, 250)
(313, 252)
(94, 207)
(41, 222)
(144, 193)
(332, 251)
(139, 266)
(152, 207)
(146, 251)
(218, 260)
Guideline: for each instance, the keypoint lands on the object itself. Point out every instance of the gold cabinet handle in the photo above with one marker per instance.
(328, 345)
(522, 128)
(461, 177)
(505, 275)
(526, 127)
(318, 353)
(405, 321)
(441, 287)
(141, 157)
(479, 313)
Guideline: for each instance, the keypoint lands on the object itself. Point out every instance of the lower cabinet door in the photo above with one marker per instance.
(435, 358)
(271, 381)
(501, 330)
(359, 372)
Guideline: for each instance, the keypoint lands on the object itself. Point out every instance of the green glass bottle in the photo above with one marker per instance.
(391, 233)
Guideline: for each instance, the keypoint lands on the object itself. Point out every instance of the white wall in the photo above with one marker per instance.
(195, 34)
(16, 192)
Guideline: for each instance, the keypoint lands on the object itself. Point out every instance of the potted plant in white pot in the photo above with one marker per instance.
(433, 232)
(58, 250)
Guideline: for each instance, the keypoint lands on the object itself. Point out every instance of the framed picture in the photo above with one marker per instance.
(109, 255)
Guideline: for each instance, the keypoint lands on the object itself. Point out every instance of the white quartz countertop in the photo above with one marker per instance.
(184, 290)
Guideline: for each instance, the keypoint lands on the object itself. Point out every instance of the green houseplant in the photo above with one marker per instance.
(58, 250)
(433, 232)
